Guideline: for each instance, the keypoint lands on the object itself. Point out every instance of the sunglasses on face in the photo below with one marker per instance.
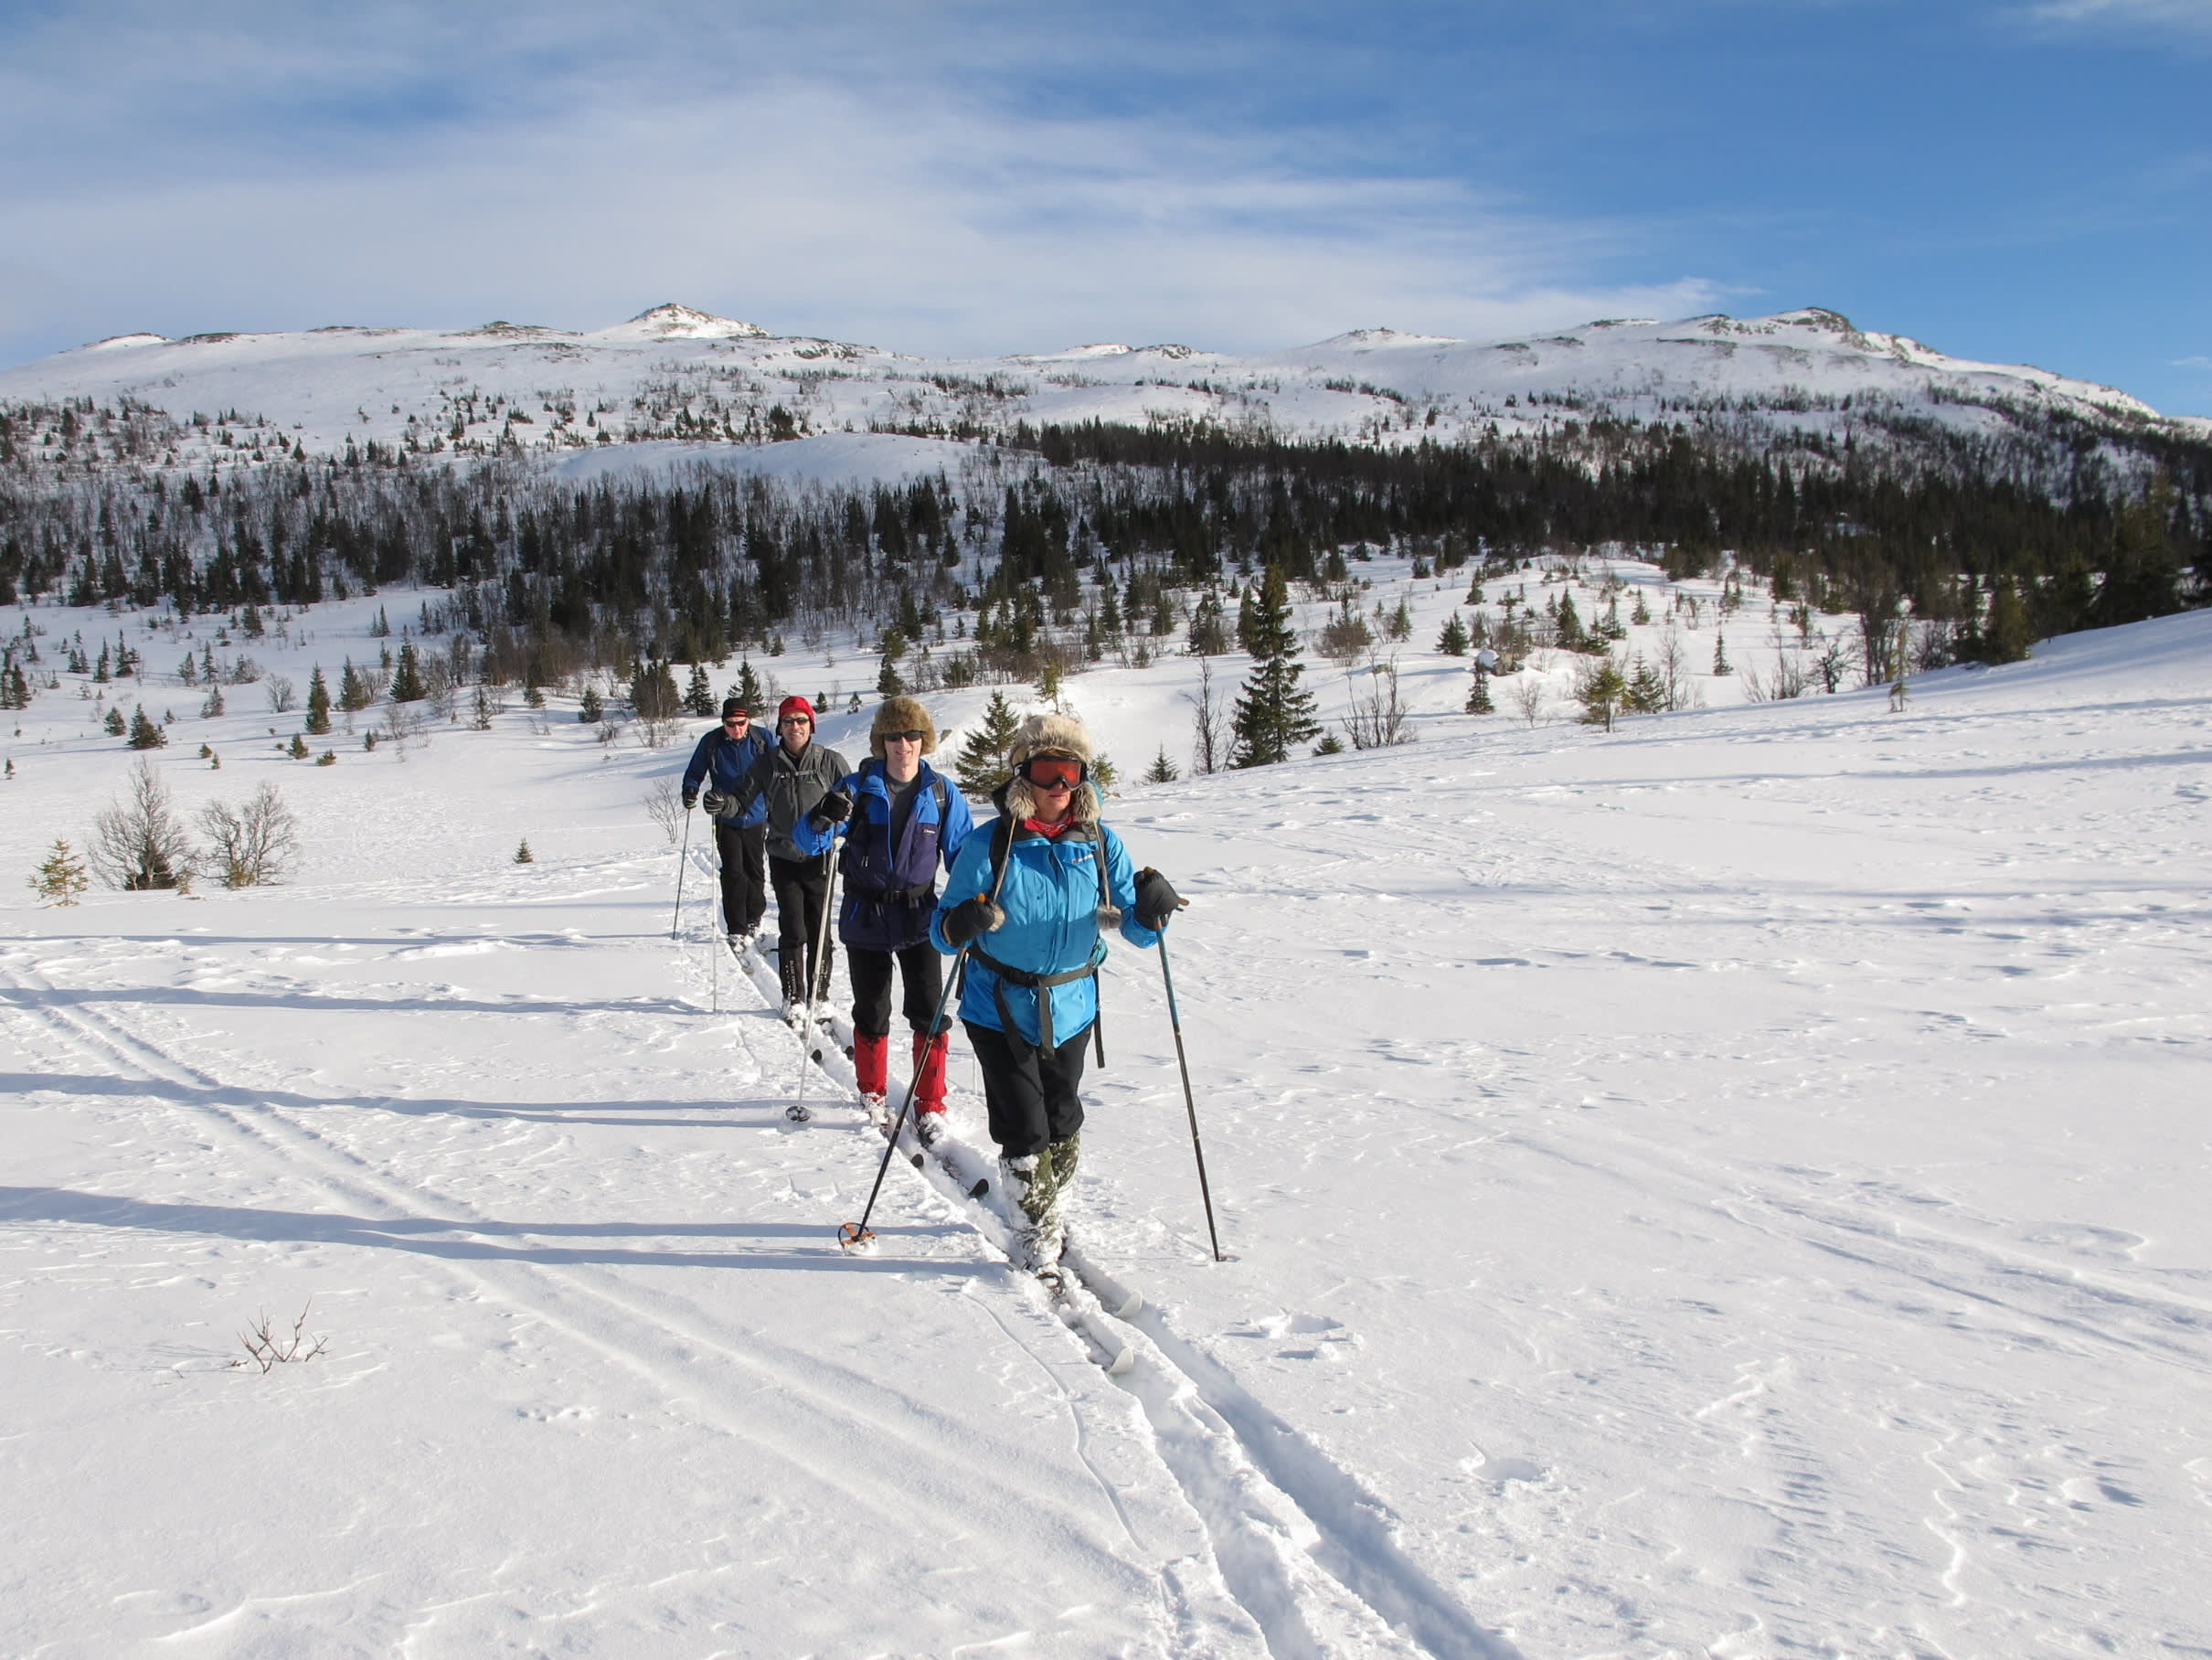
(735, 720)
(1054, 773)
(904, 737)
(795, 721)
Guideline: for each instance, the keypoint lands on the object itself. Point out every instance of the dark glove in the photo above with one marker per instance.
(718, 804)
(832, 809)
(972, 918)
(691, 800)
(1156, 901)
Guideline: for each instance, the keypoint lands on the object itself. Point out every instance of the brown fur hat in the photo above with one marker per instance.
(1051, 735)
(901, 715)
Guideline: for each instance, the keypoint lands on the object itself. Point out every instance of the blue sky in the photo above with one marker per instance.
(2018, 182)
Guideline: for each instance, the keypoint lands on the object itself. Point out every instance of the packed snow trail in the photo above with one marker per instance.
(1276, 1510)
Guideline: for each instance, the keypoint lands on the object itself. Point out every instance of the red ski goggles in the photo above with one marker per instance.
(1054, 771)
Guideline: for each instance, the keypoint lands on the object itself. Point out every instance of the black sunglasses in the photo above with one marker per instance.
(905, 737)
(735, 720)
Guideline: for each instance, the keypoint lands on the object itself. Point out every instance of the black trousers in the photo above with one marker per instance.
(743, 853)
(1031, 1096)
(920, 968)
(801, 890)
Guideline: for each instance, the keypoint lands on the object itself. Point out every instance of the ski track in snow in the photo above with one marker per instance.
(1276, 1510)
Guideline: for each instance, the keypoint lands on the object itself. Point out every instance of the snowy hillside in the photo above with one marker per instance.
(677, 374)
(1725, 1186)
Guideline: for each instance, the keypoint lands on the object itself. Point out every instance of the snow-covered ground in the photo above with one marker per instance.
(1726, 1188)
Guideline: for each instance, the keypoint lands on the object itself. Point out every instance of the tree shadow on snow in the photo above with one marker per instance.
(756, 1113)
(477, 1240)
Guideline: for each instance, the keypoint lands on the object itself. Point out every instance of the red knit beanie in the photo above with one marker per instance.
(795, 705)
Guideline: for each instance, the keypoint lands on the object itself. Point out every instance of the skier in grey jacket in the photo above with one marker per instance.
(793, 776)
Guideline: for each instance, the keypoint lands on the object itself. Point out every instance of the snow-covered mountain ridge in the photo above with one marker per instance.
(674, 372)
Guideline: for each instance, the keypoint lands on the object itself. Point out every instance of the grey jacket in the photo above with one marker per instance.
(792, 789)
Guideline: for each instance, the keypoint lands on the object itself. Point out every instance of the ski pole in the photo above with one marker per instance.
(1189, 1102)
(851, 1236)
(683, 858)
(816, 982)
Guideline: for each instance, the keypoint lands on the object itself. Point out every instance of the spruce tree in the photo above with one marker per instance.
(981, 765)
(1274, 714)
(1161, 770)
(114, 722)
(1453, 641)
(2006, 637)
(698, 696)
(145, 734)
(355, 690)
(653, 692)
(589, 708)
(407, 677)
(62, 878)
(1720, 655)
(318, 703)
(747, 691)
(1478, 695)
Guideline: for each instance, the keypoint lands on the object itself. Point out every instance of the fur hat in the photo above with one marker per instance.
(901, 715)
(1051, 735)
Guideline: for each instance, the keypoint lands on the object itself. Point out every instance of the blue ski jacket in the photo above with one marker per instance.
(1050, 896)
(727, 760)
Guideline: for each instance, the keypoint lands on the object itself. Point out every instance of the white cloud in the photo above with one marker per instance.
(849, 181)
(2192, 363)
(2189, 16)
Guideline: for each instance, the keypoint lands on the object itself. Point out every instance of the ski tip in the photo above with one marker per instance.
(797, 1113)
(980, 1188)
(914, 1159)
(1130, 1309)
(1122, 1361)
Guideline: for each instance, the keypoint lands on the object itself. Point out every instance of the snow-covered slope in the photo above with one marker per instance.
(678, 374)
(1728, 1187)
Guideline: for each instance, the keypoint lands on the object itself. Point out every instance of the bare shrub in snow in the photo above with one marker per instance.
(280, 693)
(664, 807)
(255, 845)
(1378, 720)
(268, 1350)
(137, 844)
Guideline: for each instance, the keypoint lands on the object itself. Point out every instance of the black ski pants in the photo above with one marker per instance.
(1030, 1095)
(801, 890)
(743, 851)
(920, 968)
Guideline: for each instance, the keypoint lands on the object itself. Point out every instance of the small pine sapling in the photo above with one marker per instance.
(62, 878)
(523, 856)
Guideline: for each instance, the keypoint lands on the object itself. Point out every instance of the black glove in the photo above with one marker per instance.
(718, 804)
(1156, 901)
(832, 809)
(691, 800)
(972, 918)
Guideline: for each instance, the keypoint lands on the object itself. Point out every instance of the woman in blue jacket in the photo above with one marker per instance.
(901, 818)
(1029, 900)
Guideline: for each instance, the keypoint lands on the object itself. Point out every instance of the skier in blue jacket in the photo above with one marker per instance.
(719, 763)
(900, 819)
(1029, 898)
